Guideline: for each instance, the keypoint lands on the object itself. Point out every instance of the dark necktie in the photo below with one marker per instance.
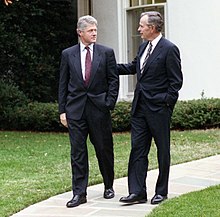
(88, 65)
(147, 56)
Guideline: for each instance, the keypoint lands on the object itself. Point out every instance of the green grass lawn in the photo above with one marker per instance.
(35, 166)
(204, 203)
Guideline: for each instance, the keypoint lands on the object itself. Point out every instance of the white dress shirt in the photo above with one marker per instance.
(154, 43)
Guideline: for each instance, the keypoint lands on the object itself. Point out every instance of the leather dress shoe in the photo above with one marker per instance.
(134, 198)
(157, 198)
(76, 201)
(109, 193)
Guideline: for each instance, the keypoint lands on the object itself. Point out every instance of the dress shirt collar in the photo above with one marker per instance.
(82, 47)
(156, 40)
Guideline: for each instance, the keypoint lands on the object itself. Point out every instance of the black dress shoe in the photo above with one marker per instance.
(157, 198)
(134, 198)
(76, 201)
(109, 193)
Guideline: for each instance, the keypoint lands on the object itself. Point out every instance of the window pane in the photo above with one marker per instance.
(134, 3)
(146, 2)
(159, 1)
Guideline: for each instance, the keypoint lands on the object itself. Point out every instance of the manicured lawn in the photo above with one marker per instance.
(204, 203)
(35, 166)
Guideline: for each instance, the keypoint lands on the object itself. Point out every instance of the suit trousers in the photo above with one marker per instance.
(145, 125)
(96, 124)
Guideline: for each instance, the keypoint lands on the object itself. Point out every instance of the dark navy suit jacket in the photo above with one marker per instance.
(162, 76)
(103, 86)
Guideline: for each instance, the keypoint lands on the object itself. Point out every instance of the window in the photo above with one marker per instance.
(145, 2)
(134, 39)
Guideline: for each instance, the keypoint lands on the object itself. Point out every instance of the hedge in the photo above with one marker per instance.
(196, 114)
(35, 116)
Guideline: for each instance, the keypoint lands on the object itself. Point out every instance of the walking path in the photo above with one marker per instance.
(184, 178)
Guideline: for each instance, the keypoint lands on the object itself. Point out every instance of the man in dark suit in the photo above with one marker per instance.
(88, 90)
(159, 78)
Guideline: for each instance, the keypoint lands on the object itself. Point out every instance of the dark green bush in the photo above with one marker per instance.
(32, 35)
(196, 114)
(192, 114)
(11, 98)
(37, 117)
(121, 117)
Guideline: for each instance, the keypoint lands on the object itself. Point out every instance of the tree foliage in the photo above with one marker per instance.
(32, 35)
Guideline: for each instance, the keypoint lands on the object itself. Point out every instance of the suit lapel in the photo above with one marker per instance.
(95, 62)
(76, 60)
(155, 53)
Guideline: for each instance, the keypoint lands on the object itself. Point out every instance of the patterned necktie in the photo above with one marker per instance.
(88, 65)
(147, 56)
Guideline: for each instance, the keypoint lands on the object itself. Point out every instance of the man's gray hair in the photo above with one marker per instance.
(84, 21)
(154, 18)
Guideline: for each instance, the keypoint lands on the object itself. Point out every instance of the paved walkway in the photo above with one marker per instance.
(184, 178)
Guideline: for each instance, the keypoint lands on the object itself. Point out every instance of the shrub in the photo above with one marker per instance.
(11, 98)
(192, 114)
(121, 117)
(37, 117)
(32, 35)
(196, 114)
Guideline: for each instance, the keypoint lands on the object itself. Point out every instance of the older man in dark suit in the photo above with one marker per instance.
(88, 90)
(159, 78)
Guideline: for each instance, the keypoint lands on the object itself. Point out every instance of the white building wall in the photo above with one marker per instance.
(105, 12)
(195, 27)
(112, 32)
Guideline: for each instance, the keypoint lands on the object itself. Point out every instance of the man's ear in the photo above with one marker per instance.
(78, 32)
(153, 28)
